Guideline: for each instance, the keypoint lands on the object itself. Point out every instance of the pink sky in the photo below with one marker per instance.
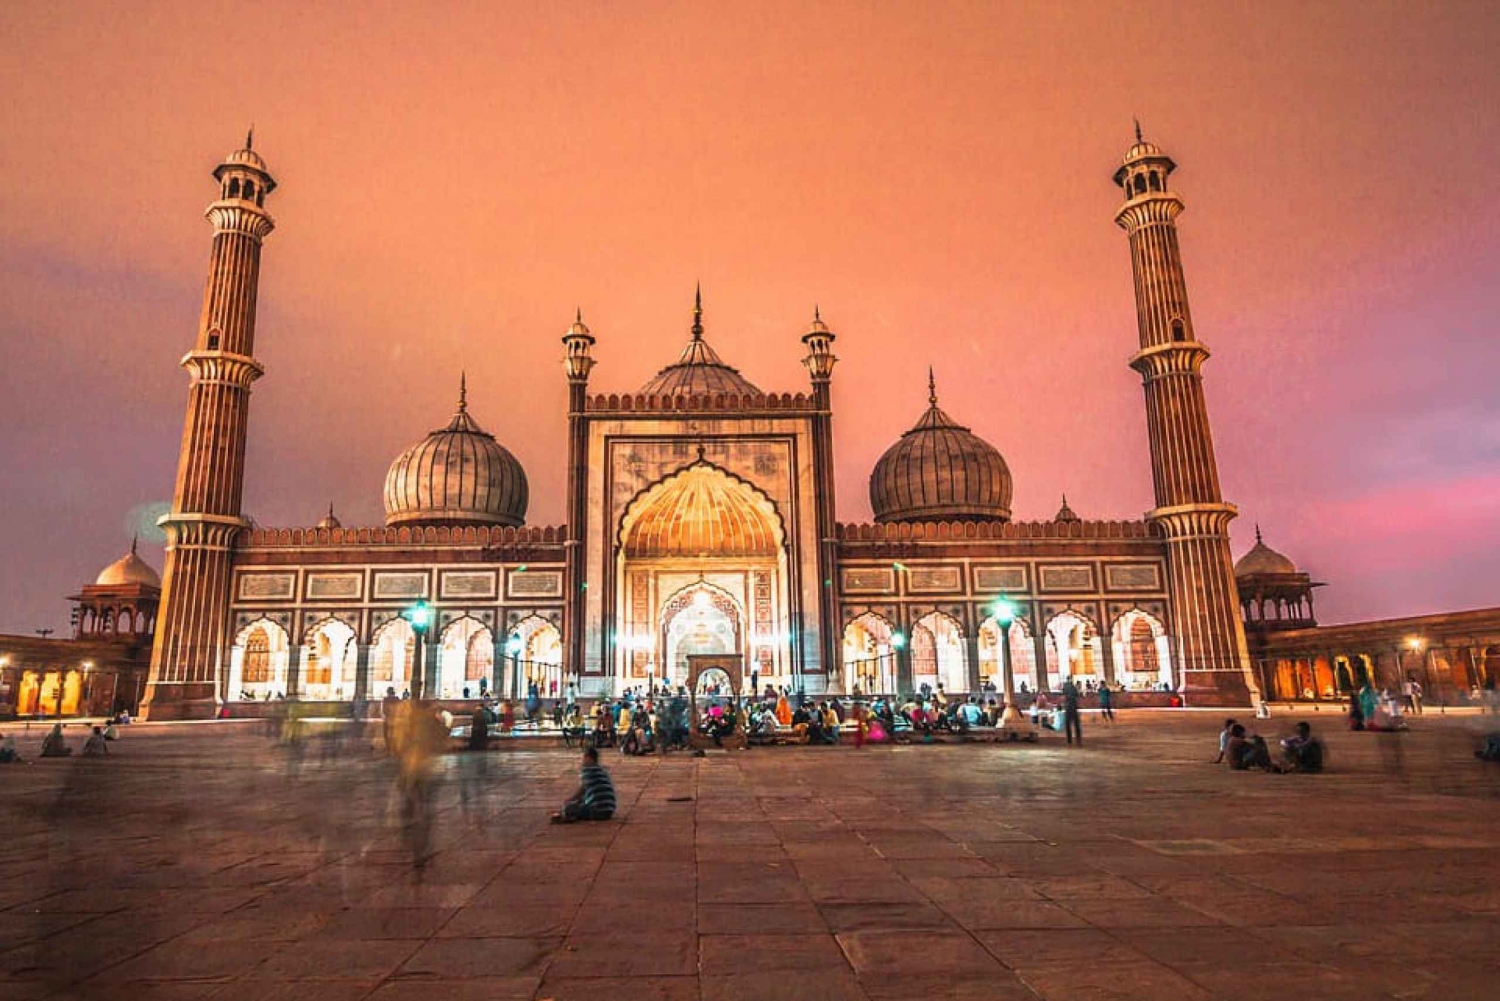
(457, 178)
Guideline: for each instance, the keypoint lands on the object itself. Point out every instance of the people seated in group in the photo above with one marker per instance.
(595, 797)
(95, 747)
(54, 745)
(1302, 752)
(763, 725)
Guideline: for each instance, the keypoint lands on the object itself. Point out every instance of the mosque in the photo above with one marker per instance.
(700, 522)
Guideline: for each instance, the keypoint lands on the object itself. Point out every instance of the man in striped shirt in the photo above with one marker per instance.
(595, 798)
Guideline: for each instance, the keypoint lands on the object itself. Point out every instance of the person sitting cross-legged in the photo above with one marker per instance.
(595, 796)
(1303, 752)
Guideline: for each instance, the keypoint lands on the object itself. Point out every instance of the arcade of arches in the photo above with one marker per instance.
(1070, 647)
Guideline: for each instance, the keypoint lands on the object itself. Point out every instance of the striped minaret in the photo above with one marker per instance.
(192, 632)
(1212, 661)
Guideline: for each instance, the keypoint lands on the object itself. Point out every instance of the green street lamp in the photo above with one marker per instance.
(420, 617)
(513, 648)
(1013, 724)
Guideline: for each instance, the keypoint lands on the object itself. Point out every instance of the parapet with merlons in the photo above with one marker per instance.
(615, 403)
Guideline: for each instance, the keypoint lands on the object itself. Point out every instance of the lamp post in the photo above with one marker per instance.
(1012, 723)
(420, 617)
(513, 649)
(898, 644)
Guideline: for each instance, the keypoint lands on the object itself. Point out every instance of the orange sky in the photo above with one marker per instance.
(456, 178)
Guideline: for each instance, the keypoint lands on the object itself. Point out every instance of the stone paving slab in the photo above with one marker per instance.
(194, 863)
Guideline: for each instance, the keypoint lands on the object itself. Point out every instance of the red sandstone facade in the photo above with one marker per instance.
(753, 562)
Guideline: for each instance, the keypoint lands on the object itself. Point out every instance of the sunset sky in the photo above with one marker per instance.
(456, 179)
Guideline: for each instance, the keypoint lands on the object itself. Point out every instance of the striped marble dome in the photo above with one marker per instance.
(457, 475)
(940, 471)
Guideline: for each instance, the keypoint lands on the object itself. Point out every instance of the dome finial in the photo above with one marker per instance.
(1257, 533)
(250, 137)
(134, 539)
(463, 391)
(817, 313)
(931, 388)
(578, 315)
(1138, 130)
(698, 311)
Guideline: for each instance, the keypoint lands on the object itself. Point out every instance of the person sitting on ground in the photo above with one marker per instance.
(831, 723)
(595, 796)
(479, 730)
(111, 732)
(1246, 752)
(604, 729)
(1303, 752)
(814, 726)
(8, 753)
(54, 745)
(95, 747)
(800, 720)
(1224, 736)
(970, 715)
(1234, 744)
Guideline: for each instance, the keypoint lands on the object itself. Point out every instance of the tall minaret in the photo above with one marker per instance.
(192, 633)
(819, 362)
(1212, 661)
(577, 363)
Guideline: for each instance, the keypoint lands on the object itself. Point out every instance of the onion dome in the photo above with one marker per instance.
(940, 471)
(698, 370)
(1262, 559)
(1065, 513)
(128, 569)
(457, 475)
(330, 520)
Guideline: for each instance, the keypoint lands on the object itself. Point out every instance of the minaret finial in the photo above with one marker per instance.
(1257, 533)
(578, 316)
(330, 509)
(931, 388)
(817, 313)
(250, 137)
(698, 312)
(1137, 130)
(463, 391)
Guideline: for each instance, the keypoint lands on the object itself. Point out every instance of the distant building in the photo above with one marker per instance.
(100, 669)
(1451, 655)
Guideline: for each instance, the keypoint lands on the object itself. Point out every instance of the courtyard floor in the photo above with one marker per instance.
(193, 862)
